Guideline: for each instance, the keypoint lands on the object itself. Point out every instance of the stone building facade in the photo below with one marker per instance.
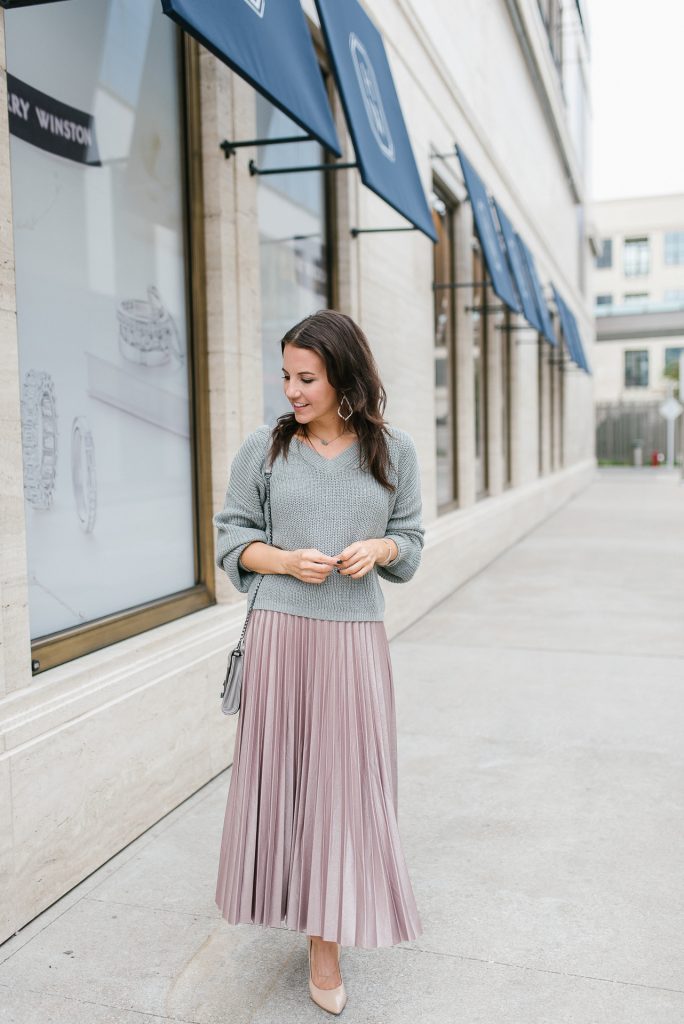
(114, 623)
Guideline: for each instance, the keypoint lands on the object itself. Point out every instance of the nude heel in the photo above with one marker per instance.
(331, 999)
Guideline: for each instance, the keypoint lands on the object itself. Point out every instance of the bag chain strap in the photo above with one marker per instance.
(267, 474)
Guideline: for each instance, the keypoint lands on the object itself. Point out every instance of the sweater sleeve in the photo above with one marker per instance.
(404, 526)
(242, 519)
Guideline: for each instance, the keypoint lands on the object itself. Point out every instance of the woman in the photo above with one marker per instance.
(310, 836)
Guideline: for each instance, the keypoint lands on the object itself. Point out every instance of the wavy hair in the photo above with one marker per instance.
(352, 371)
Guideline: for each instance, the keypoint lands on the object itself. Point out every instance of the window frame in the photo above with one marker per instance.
(551, 12)
(638, 264)
(507, 350)
(66, 645)
(636, 299)
(673, 245)
(604, 260)
(451, 203)
(482, 286)
(670, 360)
(644, 354)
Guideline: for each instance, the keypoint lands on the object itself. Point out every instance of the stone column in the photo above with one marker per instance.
(524, 408)
(232, 276)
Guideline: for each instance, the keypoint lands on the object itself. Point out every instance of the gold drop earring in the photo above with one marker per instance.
(345, 399)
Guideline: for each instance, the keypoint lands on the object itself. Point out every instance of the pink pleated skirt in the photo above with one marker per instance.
(310, 837)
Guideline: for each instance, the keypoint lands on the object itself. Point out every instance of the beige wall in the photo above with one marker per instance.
(609, 362)
(124, 734)
(650, 216)
(640, 216)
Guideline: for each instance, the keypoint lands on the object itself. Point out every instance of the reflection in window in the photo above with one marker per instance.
(443, 215)
(636, 368)
(101, 286)
(604, 300)
(672, 358)
(293, 243)
(636, 256)
(605, 256)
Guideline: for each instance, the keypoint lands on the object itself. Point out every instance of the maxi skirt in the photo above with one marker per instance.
(310, 836)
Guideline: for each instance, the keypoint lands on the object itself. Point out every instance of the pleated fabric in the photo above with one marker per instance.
(310, 837)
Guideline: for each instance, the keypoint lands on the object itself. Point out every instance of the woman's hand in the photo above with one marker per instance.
(359, 558)
(309, 564)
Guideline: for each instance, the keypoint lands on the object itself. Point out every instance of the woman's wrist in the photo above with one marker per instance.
(389, 550)
(260, 557)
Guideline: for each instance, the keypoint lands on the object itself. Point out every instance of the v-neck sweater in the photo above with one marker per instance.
(323, 503)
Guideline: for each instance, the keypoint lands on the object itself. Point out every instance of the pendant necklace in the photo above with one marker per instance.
(322, 440)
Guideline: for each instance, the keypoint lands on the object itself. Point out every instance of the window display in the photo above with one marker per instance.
(99, 234)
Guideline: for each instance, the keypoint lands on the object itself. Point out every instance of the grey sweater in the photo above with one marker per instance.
(325, 504)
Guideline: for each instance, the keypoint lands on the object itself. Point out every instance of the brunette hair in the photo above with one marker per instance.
(352, 371)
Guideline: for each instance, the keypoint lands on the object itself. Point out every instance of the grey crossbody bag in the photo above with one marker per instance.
(232, 685)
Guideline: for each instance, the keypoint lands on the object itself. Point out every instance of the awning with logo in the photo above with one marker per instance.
(268, 43)
(542, 308)
(570, 331)
(371, 106)
(9, 5)
(518, 265)
(488, 233)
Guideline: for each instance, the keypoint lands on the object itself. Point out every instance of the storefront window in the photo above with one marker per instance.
(506, 345)
(99, 220)
(553, 410)
(293, 243)
(443, 216)
(479, 315)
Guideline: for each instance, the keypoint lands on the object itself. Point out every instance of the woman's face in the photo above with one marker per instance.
(305, 381)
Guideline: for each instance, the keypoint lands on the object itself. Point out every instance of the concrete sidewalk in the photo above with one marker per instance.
(541, 798)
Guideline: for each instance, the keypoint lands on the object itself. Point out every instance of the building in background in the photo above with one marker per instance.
(147, 277)
(639, 306)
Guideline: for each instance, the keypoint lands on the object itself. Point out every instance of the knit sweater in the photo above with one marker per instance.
(325, 504)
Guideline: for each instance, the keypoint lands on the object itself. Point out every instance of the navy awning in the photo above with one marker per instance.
(578, 343)
(570, 331)
(568, 336)
(268, 43)
(487, 231)
(371, 106)
(11, 4)
(542, 308)
(518, 267)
